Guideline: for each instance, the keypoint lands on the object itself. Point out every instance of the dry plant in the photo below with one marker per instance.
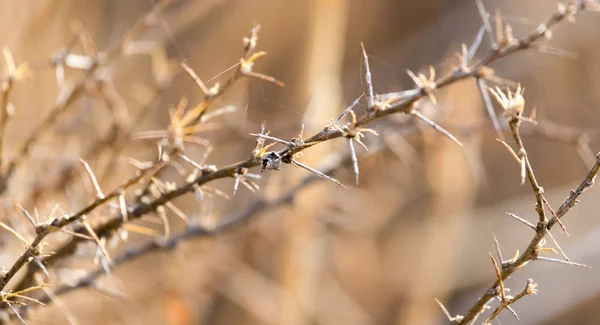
(111, 214)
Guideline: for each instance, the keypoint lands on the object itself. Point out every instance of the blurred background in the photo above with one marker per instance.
(418, 227)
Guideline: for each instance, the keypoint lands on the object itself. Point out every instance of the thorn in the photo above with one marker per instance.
(15, 233)
(236, 184)
(88, 169)
(123, 208)
(523, 170)
(252, 186)
(162, 214)
(390, 98)
(368, 78)
(21, 292)
(444, 310)
(487, 101)
(354, 159)
(510, 150)
(498, 251)
(348, 109)
(515, 257)
(562, 226)
(251, 40)
(42, 267)
(223, 72)
(177, 211)
(264, 77)
(15, 311)
(93, 234)
(264, 136)
(74, 234)
(485, 17)
(218, 112)
(499, 276)
(556, 260)
(195, 77)
(512, 311)
(31, 299)
(560, 251)
(301, 133)
(131, 227)
(317, 172)
(215, 191)
(191, 162)
(544, 49)
(474, 46)
(264, 149)
(499, 29)
(436, 126)
(26, 213)
(261, 141)
(525, 222)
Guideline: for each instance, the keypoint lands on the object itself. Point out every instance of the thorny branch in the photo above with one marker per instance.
(73, 90)
(68, 94)
(335, 161)
(513, 105)
(44, 229)
(185, 123)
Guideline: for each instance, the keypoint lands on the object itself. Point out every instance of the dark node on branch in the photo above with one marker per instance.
(271, 161)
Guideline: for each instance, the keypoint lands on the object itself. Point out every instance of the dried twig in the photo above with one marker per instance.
(197, 231)
(401, 105)
(44, 229)
(513, 106)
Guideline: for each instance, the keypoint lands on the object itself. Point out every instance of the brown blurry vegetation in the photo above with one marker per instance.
(157, 167)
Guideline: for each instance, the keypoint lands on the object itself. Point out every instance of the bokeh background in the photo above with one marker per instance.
(419, 226)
